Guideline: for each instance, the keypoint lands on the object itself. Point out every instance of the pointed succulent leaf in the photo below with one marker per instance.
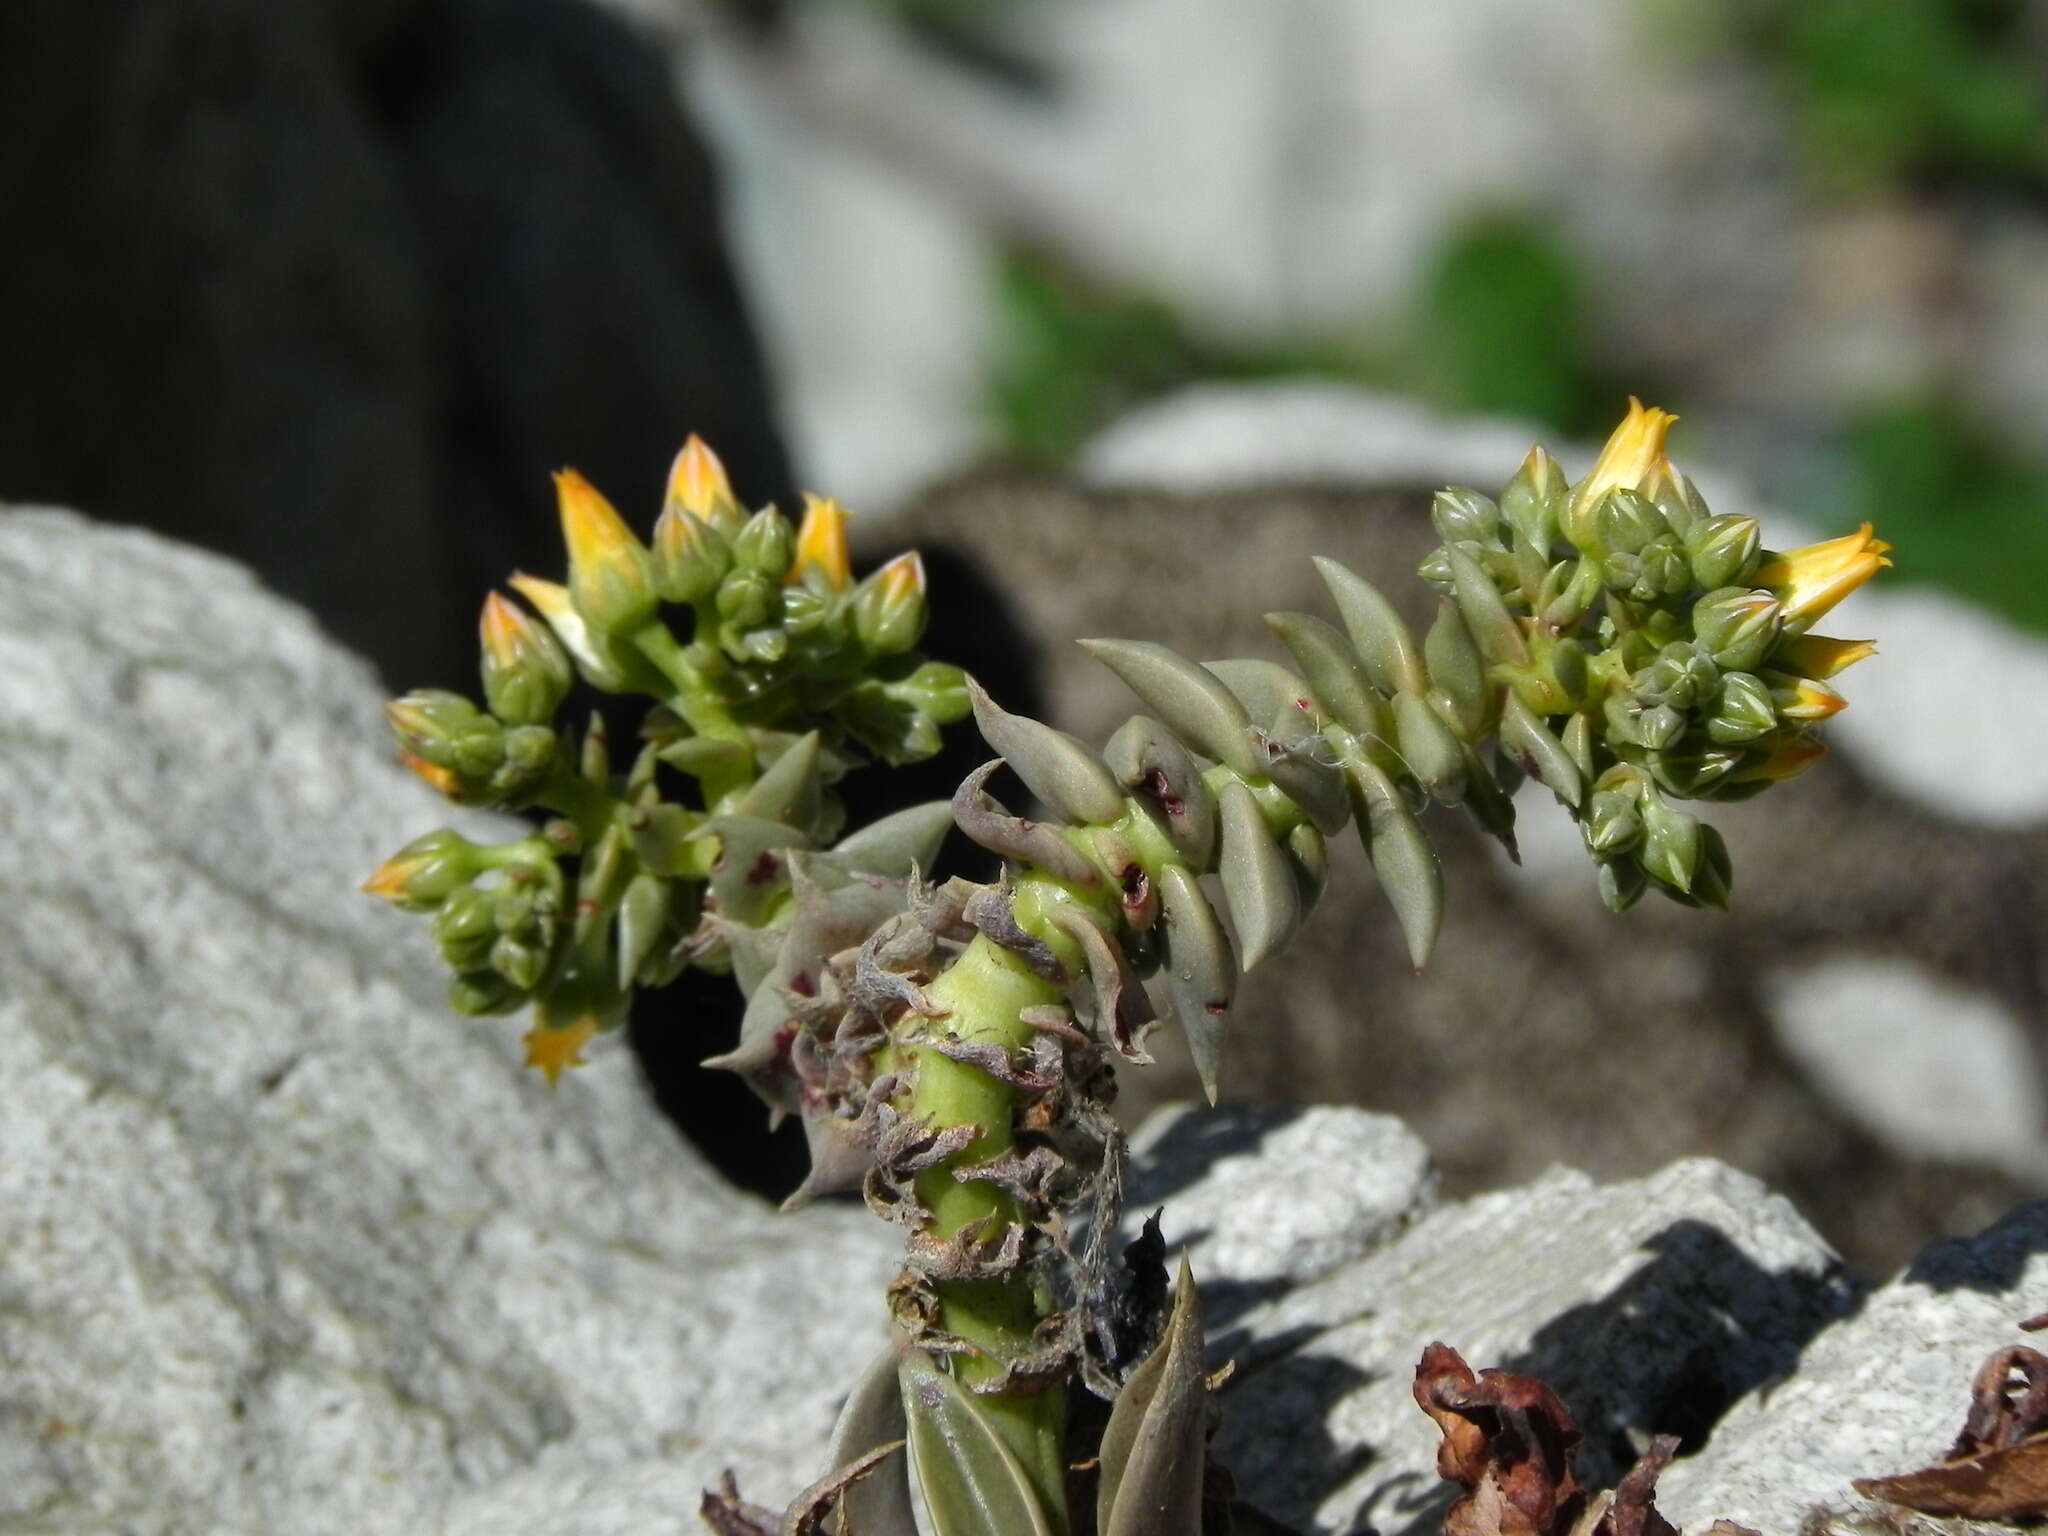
(972, 1483)
(749, 873)
(890, 846)
(1190, 699)
(1491, 805)
(1401, 857)
(1493, 628)
(1430, 748)
(1302, 763)
(1153, 1447)
(1457, 669)
(1258, 885)
(643, 918)
(1201, 974)
(1149, 759)
(1541, 755)
(1311, 857)
(1382, 638)
(792, 787)
(1064, 774)
(1265, 688)
(1333, 670)
(879, 1504)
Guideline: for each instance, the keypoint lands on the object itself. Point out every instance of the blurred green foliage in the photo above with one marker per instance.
(1889, 90)
(1963, 512)
(1494, 327)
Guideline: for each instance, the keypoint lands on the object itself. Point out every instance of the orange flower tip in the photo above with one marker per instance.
(821, 544)
(697, 481)
(1788, 760)
(387, 882)
(551, 1051)
(1820, 656)
(501, 626)
(441, 778)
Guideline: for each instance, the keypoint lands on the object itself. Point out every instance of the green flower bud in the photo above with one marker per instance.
(1678, 501)
(1533, 501)
(1744, 710)
(766, 646)
(529, 759)
(1613, 822)
(526, 672)
(1569, 589)
(1626, 522)
(807, 610)
(938, 688)
(1671, 842)
(465, 928)
(690, 556)
(1681, 676)
(1666, 571)
(889, 607)
(1737, 626)
(747, 598)
(483, 992)
(1462, 515)
(426, 871)
(520, 963)
(1436, 570)
(448, 731)
(1622, 883)
(765, 544)
(1723, 550)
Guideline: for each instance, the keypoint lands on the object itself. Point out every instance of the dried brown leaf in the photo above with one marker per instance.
(1998, 1467)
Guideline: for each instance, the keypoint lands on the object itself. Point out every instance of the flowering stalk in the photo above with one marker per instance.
(950, 1047)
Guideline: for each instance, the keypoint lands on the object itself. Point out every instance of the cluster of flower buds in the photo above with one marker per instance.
(1640, 651)
(770, 672)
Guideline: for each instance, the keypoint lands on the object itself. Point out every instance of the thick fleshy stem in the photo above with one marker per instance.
(985, 992)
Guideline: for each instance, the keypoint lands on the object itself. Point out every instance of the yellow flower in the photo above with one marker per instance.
(821, 544)
(902, 578)
(1818, 656)
(609, 575)
(1632, 456)
(552, 599)
(697, 482)
(443, 779)
(552, 1049)
(1810, 581)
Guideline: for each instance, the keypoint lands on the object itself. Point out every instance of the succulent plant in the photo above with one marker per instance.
(950, 1048)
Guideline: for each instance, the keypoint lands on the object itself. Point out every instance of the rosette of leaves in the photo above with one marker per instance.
(768, 673)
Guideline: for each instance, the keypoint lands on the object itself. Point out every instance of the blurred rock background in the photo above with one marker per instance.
(332, 287)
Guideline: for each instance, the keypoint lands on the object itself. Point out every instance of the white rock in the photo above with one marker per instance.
(284, 1246)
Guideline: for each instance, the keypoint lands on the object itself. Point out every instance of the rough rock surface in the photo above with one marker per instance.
(1879, 1393)
(284, 1247)
(1648, 1305)
(1547, 1030)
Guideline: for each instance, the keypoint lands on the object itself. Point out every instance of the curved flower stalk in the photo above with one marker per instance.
(951, 1049)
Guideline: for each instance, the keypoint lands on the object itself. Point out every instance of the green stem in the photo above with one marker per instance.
(985, 990)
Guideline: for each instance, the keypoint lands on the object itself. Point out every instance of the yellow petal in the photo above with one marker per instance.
(902, 577)
(1789, 758)
(1818, 656)
(551, 1050)
(1811, 581)
(503, 629)
(1631, 454)
(697, 481)
(821, 544)
(388, 881)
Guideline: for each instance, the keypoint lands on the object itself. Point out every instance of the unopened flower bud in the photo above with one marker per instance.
(525, 670)
(611, 578)
(1803, 700)
(690, 556)
(698, 487)
(1613, 822)
(1737, 626)
(464, 928)
(1462, 515)
(448, 731)
(821, 545)
(889, 607)
(593, 654)
(1674, 497)
(939, 689)
(1533, 500)
(426, 871)
(746, 598)
(520, 963)
(1812, 580)
(1671, 842)
(1627, 522)
(1722, 549)
(1787, 757)
(483, 992)
(765, 544)
(1744, 712)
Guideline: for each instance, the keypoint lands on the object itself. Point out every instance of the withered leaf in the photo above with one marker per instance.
(1508, 1441)
(1998, 1467)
